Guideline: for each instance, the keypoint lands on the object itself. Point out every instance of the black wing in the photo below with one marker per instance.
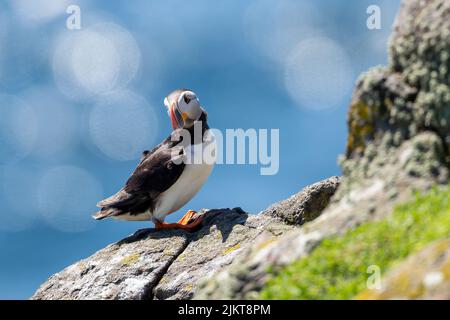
(155, 173)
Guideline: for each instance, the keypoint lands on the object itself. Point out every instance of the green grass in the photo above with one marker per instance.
(337, 268)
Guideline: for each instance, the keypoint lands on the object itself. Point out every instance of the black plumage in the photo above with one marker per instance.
(156, 172)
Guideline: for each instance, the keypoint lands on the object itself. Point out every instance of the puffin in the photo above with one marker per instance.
(166, 177)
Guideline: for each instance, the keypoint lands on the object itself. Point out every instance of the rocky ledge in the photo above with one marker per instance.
(388, 212)
(169, 264)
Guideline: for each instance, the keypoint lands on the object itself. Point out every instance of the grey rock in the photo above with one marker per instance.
(398, 142)
(366, 201)
(170, 264)
(424, 275)
(248, 274)
(307, 204)
(226, 234)
(128, 269)
(393, 103)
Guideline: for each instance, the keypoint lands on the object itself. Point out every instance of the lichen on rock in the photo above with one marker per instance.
(169, 264)
(411, 95)
(337, 267)
(424, 275)
(307, 204)
(398, 143)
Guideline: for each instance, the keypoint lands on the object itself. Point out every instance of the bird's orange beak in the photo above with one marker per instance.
(173, 119)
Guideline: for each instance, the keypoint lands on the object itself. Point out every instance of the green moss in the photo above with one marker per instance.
(337, 268)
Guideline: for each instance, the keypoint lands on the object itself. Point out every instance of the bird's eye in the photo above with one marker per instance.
(186, 99)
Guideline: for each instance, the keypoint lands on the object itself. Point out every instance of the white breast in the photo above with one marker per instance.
(189, 183)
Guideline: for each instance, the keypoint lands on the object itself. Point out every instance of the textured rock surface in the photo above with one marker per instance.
(306, 205)
(169, 264)
(128, 269)
(399, 102)
(398, 141)
(425, 275)
(226, 234)
(370, 200)
(391, 104)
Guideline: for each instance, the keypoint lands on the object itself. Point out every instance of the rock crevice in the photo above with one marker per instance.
(398, 142)
(170, 264)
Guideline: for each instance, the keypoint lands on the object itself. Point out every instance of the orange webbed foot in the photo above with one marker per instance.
(185, 223)
(187, 217)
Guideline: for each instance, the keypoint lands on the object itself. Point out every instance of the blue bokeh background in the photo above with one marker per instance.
(254, 64)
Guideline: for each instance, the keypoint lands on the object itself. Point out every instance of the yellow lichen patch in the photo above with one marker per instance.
(181, 257)
(440, 250)
(408, 281)
(360, 127)
(231, 249)
(169, 252)
(131, 259)
(81, 265)
(189, 287)
(337, 267)
(265, 243)
(163, 280)
(446, 270)
(388, 103)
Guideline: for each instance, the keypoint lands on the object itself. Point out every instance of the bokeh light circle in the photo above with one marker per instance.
(23, 53)
(17, 196)
(122, 124)
(95, 61)
(318, 74)
(39, 11)
(66, 198)
(275, 27)
(18, 128)
(58, 123)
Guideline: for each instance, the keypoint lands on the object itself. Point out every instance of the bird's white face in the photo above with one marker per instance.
(183, 108)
